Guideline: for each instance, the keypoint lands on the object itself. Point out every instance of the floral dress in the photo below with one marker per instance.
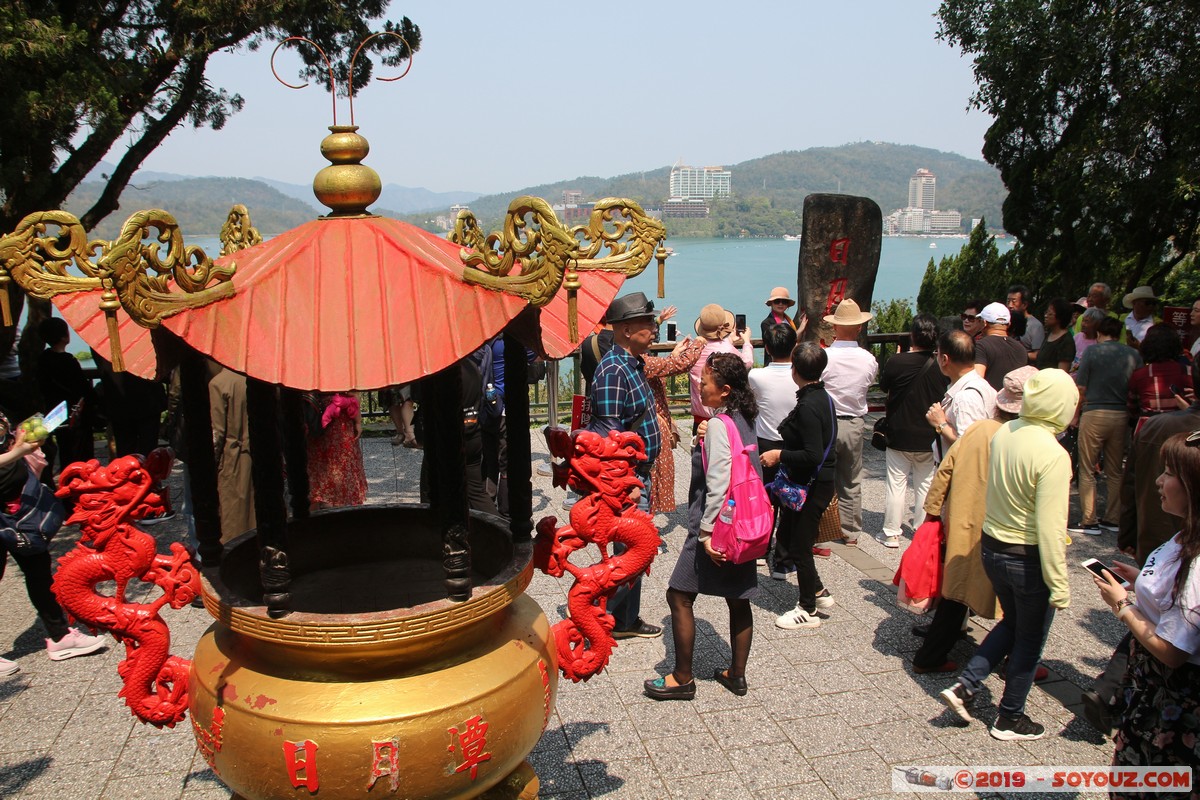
(336, 476)
(662, 472)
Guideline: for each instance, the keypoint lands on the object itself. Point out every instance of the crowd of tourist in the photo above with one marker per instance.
(977, 423)
(987, 420)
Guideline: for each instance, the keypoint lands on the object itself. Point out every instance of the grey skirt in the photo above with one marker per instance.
(696, 573)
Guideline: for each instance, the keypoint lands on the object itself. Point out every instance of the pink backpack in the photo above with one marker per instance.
(748, 535)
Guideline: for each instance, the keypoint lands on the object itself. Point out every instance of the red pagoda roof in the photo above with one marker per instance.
(345, 304)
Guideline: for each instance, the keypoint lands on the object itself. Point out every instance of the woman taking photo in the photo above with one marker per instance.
(808, 433)
(724, 385)
(1160, 725)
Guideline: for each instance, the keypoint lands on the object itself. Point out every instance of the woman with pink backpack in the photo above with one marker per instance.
(705, 565)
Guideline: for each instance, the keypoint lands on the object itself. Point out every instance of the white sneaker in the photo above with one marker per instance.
(73, 644)
(795, 619)
(825, 599)
(891, 541)
(8, 667)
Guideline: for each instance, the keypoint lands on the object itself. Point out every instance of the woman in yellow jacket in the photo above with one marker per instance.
(1024, 550)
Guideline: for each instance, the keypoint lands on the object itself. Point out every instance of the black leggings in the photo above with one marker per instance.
(799, 531)
(36, 569)
(683, 631)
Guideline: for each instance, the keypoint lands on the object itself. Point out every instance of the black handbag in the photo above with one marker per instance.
(29, 531)
(879, 434)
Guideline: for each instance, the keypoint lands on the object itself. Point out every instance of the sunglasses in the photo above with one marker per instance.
(969, 317)
(777, 302)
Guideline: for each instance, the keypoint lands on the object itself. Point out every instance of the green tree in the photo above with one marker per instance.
(892, 316)
(1096, 131)
(79, 78)
(978, 270)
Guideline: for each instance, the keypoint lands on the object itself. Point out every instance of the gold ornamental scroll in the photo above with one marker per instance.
(618, 237)
(238, 233)
(39, 263)
(121, 268)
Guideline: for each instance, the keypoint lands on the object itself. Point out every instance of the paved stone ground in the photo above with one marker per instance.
(829, 713)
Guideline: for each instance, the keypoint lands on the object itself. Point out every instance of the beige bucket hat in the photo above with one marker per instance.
(781, 293)
(1009, 397)
(1140, 293)
(714, 322)
(847, 313)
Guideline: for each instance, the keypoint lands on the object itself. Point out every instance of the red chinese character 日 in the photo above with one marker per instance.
(386, 761)
(472, 741)
(302, 757)
(839, 251)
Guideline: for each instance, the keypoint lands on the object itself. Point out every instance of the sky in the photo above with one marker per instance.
(502, 96)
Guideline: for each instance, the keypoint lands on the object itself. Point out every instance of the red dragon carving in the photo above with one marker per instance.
(108, 500)
(602, 469)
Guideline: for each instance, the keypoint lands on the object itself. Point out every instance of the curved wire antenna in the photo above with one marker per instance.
(328, 65)
(354, 58)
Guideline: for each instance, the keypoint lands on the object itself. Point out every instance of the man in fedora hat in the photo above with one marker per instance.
(1142, 301)
(850, 372)
(622, 401)
(779, 302)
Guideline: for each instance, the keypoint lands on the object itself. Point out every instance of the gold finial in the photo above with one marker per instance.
(347, 186)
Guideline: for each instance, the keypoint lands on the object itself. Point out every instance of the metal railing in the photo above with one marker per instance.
(678, 391)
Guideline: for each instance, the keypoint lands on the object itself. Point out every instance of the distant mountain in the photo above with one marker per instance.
(200, 205)
(876, 170)
(400, 199)
(768, 192)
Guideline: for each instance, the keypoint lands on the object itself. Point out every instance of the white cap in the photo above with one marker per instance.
(995, 313)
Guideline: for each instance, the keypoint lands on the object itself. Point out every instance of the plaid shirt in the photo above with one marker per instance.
(621, 397)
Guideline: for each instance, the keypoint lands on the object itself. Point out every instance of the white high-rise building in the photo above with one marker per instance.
(921, 188)
(703, 182)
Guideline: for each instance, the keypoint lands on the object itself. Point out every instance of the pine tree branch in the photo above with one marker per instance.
(191, 82)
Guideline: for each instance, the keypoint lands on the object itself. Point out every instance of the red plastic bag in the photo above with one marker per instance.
(920, 574)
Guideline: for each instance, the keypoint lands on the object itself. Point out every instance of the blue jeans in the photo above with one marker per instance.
(1020, 635)
(626, 602)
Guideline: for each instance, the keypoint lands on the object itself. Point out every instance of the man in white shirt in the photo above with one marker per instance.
(969, 399)
(850, 372)
(775, 392)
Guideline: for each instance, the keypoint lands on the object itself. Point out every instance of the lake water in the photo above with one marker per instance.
(740, 273)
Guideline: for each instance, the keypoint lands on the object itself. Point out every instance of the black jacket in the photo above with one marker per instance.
(911, 388)
(765, 326)
(806, 432)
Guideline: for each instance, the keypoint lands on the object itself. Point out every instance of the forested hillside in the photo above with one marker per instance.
(200, 205)
(769, 191)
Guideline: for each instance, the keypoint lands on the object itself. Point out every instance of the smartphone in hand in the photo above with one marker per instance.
(1099, 568)
(739, 322)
